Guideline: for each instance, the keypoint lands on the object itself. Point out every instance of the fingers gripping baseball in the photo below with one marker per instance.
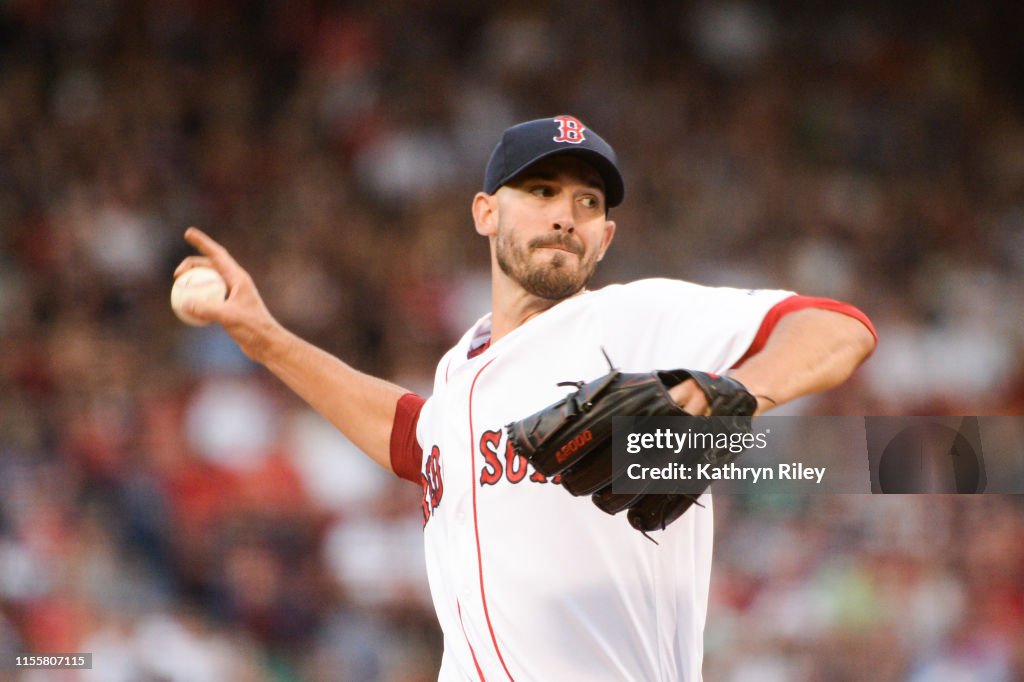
(242, 313)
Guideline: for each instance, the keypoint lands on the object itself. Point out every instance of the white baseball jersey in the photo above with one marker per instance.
(529, 582)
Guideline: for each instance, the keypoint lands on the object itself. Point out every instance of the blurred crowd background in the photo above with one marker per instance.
(169, 507)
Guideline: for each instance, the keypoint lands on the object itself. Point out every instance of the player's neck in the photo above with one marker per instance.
(504, 322)
(512, 307)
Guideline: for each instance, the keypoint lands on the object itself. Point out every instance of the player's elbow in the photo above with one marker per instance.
(862, 342)
(856, 343)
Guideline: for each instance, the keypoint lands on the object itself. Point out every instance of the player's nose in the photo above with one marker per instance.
(563, 218)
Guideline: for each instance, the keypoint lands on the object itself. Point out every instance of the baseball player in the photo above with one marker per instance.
(529, 582)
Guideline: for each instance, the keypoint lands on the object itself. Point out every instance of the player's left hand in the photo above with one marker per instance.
(573, 436)
(688, 396)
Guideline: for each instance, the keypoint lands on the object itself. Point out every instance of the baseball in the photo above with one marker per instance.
(196, 284)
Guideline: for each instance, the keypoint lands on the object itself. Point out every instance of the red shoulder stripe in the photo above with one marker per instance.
(791, 305)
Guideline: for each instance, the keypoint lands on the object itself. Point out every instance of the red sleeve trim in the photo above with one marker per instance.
(791, 305)
(406, 453)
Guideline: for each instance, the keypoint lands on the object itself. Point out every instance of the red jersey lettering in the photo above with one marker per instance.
(491, 472)
(507, 463)
(515, 464)
(433, 484)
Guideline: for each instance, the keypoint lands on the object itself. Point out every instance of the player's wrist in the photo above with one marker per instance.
(765, 399)
(272, 344)
(764, 403)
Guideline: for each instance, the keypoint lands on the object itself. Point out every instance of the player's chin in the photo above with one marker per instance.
(555, 284)
(559, 258)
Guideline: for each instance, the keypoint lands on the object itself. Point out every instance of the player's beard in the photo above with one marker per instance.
(563, 275)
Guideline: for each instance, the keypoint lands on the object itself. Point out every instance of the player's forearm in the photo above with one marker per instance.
(359, 405)
(809, 351)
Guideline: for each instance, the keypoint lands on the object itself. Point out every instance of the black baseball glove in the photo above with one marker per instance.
(573, 437)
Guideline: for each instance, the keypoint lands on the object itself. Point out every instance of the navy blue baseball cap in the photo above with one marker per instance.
(525, 144)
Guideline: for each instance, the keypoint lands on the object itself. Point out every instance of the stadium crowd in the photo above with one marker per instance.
(167, 506)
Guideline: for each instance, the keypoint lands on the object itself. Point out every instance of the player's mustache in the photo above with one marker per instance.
(563, 240)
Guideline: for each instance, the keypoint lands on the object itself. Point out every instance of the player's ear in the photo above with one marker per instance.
(606, 240)
(485, 213)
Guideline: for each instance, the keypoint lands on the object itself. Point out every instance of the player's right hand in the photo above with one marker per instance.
(242, 314)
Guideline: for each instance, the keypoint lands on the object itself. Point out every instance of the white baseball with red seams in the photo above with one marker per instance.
(529, 582)
(195, 284)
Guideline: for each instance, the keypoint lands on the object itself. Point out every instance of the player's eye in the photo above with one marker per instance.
(590, 201)
(542, 191)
